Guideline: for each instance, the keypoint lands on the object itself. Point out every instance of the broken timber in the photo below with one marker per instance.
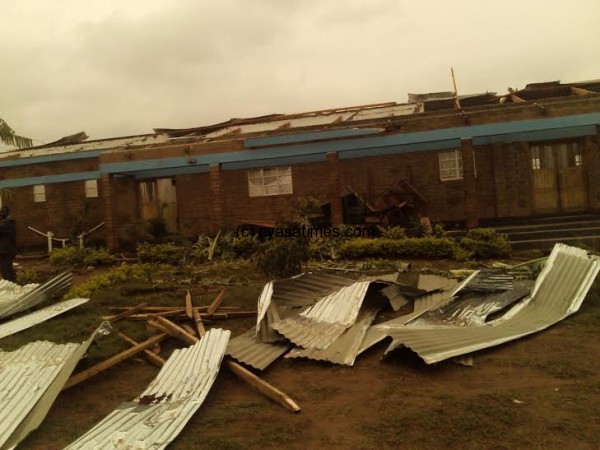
(259, 384)
(94, 370)
(127, 312)
(152, 357)
(215, 304)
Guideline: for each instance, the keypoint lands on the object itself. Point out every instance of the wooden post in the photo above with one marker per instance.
(127, 313)
(216, 302)
(198, 320)
(100, 367)
(259, 384)
(152, 357)
(188, 305)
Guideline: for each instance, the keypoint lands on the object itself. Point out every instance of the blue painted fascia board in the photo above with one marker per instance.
(49, 179)
(273, 162)
(398, 149)
(170, 172)
(306, 137)
(541, 135)
(49, 158)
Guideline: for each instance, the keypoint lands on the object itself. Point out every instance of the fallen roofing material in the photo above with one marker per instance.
(345, 348)
(557, 293)
(247, 349)
(321, 324)
(15, 298)
(30, 380)
(37, 317)
(157, 416)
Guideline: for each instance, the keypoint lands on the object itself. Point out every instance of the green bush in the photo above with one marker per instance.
(117, 275)
(426, 247)
(78, 257)
(392, 232)
(168, 253)
(485, 243)
(245, 246)
(281, 257)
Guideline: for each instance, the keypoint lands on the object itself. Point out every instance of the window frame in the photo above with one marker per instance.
(39, 193)
(259, 184)
(457, 171)
(91, 189)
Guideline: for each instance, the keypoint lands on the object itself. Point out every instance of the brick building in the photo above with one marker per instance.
(530, 152)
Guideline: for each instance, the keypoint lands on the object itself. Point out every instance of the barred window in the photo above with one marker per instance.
(91, 188)
(39, 193)
(272, 181)
(451, 165)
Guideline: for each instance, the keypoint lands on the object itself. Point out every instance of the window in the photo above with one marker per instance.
(566, 154)
(451, 165)
(273, 181)
(39, 193)
(91, 188)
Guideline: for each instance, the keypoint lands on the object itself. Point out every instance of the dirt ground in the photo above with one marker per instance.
(537, 392)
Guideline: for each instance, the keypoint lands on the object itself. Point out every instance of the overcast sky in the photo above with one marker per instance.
(113, 68)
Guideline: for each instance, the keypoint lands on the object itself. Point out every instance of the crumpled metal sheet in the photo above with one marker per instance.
(159, 414)
(15, 298)
(39, 316)
(248, 349)
(30, 380)
(321, 324)
(558, 292)
(344, 349)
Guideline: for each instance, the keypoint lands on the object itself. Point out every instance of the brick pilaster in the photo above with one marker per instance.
(335, 195)
(470, 183)
(217, 216)
(112, 242)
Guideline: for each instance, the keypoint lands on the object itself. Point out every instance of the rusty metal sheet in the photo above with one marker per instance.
(159, 414)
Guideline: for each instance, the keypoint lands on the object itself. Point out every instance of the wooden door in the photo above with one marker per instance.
(158, 198)
(558, 178)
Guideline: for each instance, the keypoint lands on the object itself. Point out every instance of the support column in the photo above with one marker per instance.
(335, 195)
(217, 216)
(112, 241)
(591, 170)
(468, 160)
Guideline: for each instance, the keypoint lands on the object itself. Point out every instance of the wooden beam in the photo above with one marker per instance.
(152, 357)
(100, 367)
(216, 302)
(182, 316)
(259, 384)
(172, 308)
(198, 320)
(188, 305)
(263, 387)
(189, 329)
(581, 91)
(127, 313)
(516, 99)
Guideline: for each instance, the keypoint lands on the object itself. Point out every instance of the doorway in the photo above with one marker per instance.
(558, 178)
(158, 199)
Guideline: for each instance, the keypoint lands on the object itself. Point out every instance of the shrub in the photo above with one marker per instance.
(168, 253)
(426, 247)
(281, 257)
(117, 275)
(78, 257)
(244, 246)
(392, 232)
(486, 243)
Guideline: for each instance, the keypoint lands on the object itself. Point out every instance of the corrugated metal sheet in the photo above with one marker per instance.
(558, 293)
(37, 317)
(247, 349)
(30, 380)
(157, 416)
(345, 348)
(321, 324)
(491, 280)
(15, 298)
(282, 298)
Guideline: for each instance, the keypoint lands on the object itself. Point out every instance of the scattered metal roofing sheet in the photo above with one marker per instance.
(37, 317)
(15, 298)
(30, 380)
(321, 324)
(346, 347)
(159, 414)
(247, 349)
(558, 293)
(490, 280)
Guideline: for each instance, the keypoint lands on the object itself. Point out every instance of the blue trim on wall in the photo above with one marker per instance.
(304, 137)
(49, 179)
(533, 136)
(398, 149)
(289, 161)
(50, 158)
(170, 172)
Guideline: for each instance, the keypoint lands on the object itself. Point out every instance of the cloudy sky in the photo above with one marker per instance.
(113, 68)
